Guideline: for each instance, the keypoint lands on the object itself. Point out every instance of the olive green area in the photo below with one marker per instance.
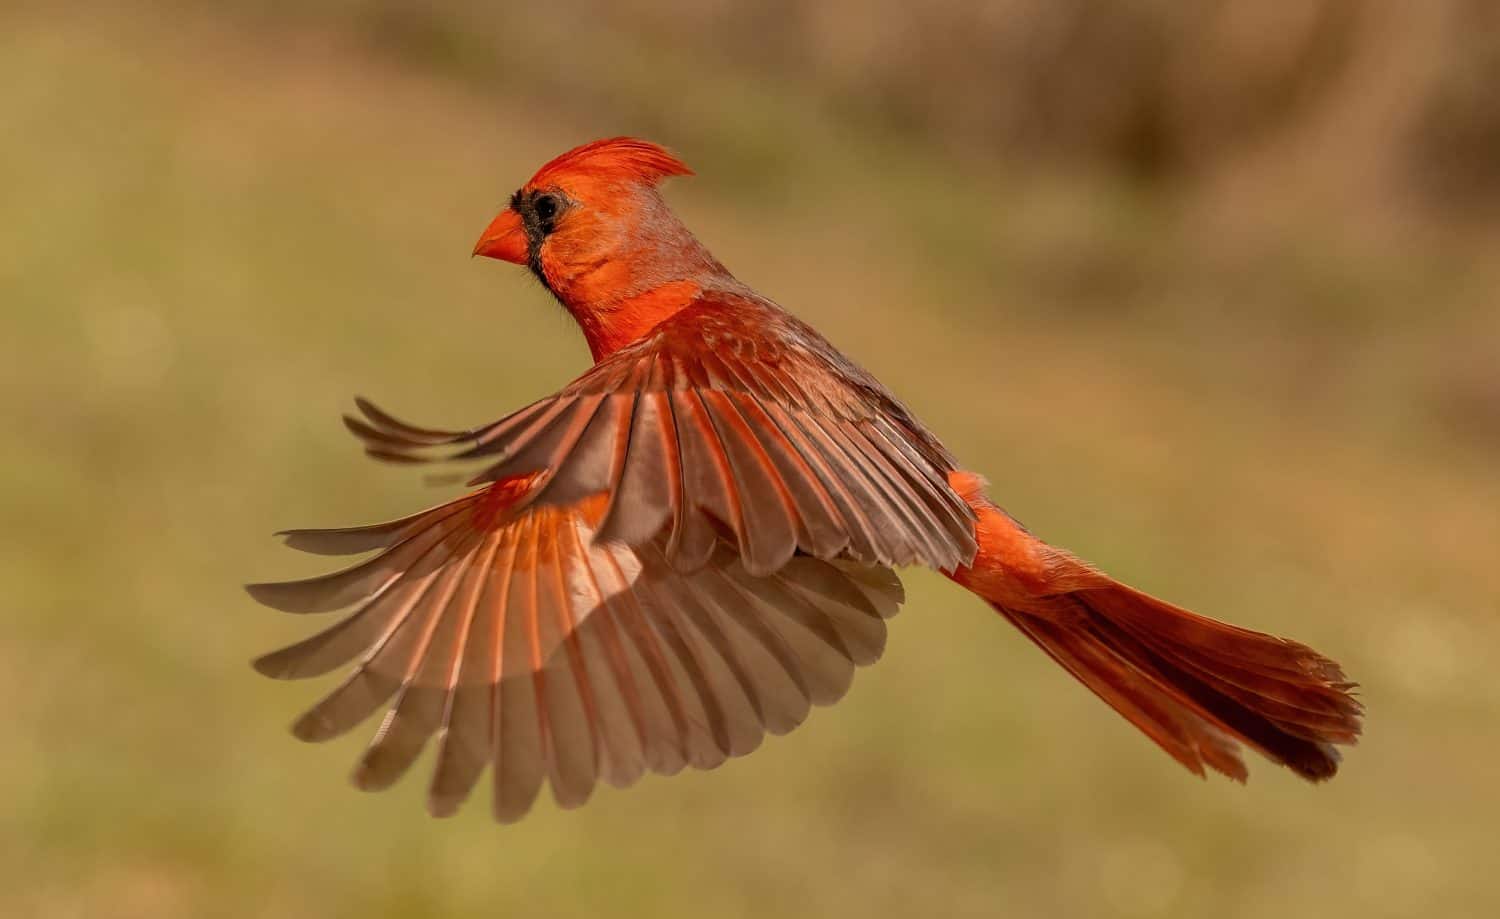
(219, 223)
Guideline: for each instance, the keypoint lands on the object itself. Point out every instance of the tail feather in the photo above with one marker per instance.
(1185, 736)
(1195, 686)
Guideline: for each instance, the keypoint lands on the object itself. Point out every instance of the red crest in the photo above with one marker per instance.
(624, 158)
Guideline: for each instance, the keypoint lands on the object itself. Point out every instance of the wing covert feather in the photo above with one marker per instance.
(730, 419)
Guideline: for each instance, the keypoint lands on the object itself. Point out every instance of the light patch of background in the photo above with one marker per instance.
(1208, 290)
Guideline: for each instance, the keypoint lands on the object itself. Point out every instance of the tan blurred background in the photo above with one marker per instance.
(1208, 288)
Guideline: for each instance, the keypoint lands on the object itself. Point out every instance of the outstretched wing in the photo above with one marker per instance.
(731, 419)
(524, 643)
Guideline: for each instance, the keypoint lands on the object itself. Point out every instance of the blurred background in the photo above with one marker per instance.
(1214, 282)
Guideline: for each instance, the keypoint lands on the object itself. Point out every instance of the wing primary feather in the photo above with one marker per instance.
(851, 613)
(662, 749)
(731, 598)
(924, 532)
(360, 581)
(950, 512)
(396, 457)
(694, 610)
(621, 721)
(775, 593)
(342, 641)
(463, 736)
(730, 700)
(356, 540)
(519, 732)
(691, 665)
(845, 478)
(582, 462)
(552, 450)
(821, 527)
(880, 585)
(381, 439)
(823, 665)
(683, 506)
(639, 630)
(412, 433)
(647, 492)
(708, 485)
(935, 476)
(370, 685)
(769, 520)
(523, 426)
(938, 509)
(905, 543)
(861, 531)
(417, 710)
(620, 456)
(571, 715)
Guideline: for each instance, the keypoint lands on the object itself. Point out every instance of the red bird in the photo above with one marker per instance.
(692, 543)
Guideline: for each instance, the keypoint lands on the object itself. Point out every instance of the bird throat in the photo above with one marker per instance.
(611, 326)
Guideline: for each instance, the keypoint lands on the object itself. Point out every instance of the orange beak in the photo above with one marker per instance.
(504, 238)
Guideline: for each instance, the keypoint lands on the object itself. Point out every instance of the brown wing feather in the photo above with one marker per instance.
(731, 419)
(523, 643)
(462, 752)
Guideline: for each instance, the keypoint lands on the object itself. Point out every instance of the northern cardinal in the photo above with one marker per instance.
(692, 542)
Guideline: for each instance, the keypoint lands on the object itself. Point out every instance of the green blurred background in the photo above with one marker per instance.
(1208, 289)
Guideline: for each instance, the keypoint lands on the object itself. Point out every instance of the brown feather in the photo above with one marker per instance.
(729, 418)
(521, 641)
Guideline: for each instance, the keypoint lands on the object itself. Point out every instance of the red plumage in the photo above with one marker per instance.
(691, 543)
(622, 158)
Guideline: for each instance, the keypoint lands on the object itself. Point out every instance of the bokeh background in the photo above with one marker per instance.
(1209, 289)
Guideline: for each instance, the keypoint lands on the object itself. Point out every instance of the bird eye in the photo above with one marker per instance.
(546, 206)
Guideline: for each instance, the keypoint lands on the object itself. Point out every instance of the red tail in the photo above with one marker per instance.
(1197, 687)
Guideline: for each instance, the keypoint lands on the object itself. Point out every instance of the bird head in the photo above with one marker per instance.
(593, 228)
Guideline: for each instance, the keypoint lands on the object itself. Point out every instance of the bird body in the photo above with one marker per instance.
(693, 542)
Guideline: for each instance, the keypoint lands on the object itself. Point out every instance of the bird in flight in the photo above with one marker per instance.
(693, 542)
